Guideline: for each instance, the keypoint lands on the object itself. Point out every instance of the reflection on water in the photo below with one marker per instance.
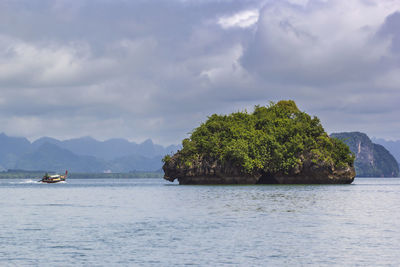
(152, 222)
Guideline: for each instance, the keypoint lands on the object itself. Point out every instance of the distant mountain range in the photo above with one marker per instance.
(87, 154)
(84, 154)
(372, 160)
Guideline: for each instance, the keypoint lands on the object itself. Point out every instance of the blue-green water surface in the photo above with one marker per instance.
(149, 222)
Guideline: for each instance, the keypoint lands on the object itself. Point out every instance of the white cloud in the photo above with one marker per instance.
(49, 64)
(243, 19)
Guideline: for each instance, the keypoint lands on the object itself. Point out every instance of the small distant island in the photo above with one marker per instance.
(275, 144)
(372, 160)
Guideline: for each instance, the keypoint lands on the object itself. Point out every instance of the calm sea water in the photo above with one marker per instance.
(105, 222)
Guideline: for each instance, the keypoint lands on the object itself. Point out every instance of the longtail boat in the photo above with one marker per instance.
(55, 178)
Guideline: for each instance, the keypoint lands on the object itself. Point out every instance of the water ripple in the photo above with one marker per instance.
(151, 223)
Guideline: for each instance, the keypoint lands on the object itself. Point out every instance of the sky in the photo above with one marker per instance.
(157, 69)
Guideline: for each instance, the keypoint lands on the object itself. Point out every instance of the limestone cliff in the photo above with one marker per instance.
(372, 160)
(208, 171)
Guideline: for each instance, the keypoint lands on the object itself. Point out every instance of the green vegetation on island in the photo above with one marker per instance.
(271, 139)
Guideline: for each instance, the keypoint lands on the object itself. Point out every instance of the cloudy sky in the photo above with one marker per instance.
(156, 69)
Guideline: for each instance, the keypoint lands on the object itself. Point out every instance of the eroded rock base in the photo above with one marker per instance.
(202, 180)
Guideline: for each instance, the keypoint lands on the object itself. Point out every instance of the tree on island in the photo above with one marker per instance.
(276, 139)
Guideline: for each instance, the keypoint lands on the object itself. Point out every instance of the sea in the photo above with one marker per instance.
(152, 222)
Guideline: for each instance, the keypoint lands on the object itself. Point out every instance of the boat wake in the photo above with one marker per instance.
(40, 182)
(30, 181)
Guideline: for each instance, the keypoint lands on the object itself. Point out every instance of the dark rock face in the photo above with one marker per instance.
(205, 171)
(372, 160)
(392, 146)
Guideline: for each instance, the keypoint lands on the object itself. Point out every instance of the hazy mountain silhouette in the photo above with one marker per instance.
(11, 148)
(136, 163)
(109, 149)
(84, 154)
(51, 157)
(392, 146)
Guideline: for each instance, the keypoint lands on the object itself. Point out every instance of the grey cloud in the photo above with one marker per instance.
(138, 65)
(139, 69)
(344, 73)
(390, 29)
(298, 46)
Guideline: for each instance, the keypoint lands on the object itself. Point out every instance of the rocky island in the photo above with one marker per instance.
(276, 144)
(371, 160)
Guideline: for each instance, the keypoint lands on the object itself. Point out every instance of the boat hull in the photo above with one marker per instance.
(52, 181)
